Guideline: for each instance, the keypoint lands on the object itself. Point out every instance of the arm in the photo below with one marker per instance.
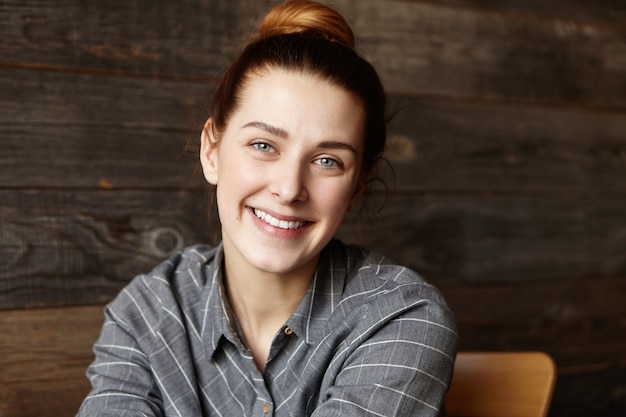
(403, 368)
(121, 378)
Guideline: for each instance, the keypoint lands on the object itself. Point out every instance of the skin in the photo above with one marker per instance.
(293, 150)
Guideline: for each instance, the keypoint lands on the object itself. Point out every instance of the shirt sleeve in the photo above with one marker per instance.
(403, 366)
(122, 382)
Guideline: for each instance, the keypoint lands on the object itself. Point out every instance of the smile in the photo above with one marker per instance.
(281, 224)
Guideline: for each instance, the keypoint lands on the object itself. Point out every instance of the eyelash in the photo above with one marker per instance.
(262, 147)
(265, 147)
(336, 163)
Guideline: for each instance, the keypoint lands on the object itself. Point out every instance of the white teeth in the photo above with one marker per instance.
(282, 224)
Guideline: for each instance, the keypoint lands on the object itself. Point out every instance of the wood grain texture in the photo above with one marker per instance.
(482, 239)
(175, 39)
(509, 152)
(63, 247)
(609, 12)
(43, 358)
(418, 47)
(461, 146)
(66, 248)
(78, 130)
(578, 321)
(431, 49)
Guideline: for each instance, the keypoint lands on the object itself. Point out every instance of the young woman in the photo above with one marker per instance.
(281, 318)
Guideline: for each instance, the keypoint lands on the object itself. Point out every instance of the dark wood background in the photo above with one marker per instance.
(509, 151)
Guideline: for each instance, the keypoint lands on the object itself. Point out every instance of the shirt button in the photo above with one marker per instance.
(266, 408)
(288, 330)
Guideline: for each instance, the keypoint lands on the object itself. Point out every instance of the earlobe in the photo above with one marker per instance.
(208, 153)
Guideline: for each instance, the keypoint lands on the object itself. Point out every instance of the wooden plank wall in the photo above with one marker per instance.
(509, 150)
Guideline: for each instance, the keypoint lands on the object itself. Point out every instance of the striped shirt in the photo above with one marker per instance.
(369, 338)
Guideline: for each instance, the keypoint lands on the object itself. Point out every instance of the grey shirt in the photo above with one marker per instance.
(369, 338)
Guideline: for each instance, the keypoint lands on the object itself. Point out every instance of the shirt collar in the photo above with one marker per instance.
(216, 318)
(310, 317)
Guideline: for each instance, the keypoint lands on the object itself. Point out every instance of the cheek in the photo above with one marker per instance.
(237, 182)
(337, 196)
(233, 166)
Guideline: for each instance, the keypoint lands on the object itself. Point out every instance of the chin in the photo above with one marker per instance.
(278, 268)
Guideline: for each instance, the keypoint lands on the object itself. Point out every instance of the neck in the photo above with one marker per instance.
(259, 300)
(263, 301)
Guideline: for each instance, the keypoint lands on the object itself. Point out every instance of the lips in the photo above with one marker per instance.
(281, 224)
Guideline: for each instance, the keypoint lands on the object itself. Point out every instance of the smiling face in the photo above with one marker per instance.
(287, 169)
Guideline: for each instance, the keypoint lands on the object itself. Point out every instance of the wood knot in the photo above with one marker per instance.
(165, 240)
(400, 148)
(14, 247)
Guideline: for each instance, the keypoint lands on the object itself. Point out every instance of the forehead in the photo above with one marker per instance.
(298, 103)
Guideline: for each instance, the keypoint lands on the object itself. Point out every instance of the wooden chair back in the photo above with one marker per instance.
(501, 384)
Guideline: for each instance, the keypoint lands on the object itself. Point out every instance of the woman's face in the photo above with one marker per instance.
(287, 169)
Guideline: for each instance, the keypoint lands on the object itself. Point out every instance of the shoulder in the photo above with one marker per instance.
(186, 270)
(175, 284)
(368, 269)
(385, 290)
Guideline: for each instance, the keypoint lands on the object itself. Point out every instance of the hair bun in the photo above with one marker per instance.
(295, 16)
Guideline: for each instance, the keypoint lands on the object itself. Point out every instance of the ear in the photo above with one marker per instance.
(208, 153)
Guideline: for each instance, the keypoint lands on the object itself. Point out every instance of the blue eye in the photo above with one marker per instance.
(328, 163)
(262, 147)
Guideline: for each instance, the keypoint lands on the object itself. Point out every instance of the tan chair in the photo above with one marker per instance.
(501, 384)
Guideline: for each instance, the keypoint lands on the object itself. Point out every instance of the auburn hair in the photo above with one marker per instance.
(301, 16)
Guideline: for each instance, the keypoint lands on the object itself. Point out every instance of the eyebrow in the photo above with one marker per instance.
(338, 145)
(277, 131)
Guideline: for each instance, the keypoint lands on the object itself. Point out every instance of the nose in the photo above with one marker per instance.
(289, 182)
